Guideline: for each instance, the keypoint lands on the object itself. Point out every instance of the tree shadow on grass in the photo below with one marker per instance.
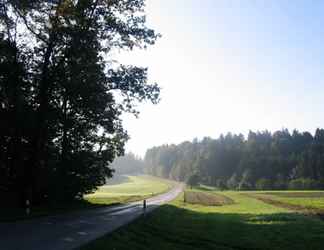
(16, 214)
(171, 227)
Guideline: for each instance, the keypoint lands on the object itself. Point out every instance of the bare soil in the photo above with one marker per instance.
(207, 199)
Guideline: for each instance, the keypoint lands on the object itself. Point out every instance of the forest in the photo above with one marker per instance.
(128, 164)
(262, 161)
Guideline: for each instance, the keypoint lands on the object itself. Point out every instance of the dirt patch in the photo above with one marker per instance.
(207, 199)
(301, 209)
(317, 194)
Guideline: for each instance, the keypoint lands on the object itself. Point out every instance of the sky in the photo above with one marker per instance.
(230, 66)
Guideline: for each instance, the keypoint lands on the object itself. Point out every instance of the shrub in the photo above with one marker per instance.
(233, 182)
(193, 180)
(220, 184)
(280, 184)
(263, 184)
(303, 184)
(244, 185)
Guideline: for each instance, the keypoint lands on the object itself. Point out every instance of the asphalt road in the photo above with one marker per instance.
(69, 231)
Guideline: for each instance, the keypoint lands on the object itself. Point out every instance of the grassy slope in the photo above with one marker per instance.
(247, 224)
(136, 188)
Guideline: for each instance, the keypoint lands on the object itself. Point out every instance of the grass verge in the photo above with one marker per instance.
(134, 189)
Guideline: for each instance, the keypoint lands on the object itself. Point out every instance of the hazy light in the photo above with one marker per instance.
(228, 66)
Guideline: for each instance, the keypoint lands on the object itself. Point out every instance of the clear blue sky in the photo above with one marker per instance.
(231, 66)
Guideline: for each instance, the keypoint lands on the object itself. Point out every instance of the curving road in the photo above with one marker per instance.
(66, 232)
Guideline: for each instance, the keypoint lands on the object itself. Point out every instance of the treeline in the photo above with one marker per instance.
(263, 160)
(129, 164)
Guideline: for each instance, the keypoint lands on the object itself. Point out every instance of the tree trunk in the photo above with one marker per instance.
(64, 145)
(41, 129)
(16, 168)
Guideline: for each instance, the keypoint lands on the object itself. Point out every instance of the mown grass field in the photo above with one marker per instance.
(248, 223)
(134, 188)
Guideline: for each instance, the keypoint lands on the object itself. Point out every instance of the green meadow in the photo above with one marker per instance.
(244, 223)
(132, 188)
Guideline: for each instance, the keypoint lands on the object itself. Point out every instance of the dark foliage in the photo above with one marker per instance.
(262, 161)
(62, 94)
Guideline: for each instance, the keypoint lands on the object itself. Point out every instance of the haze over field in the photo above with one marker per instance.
(230, 66)
(229, 155)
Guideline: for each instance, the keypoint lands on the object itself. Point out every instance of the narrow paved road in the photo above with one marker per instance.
(66, 232)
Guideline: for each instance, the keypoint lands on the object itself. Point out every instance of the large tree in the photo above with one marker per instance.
(63, 93)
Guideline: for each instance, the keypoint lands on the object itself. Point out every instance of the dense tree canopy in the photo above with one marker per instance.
(261, 161)
(62, 93)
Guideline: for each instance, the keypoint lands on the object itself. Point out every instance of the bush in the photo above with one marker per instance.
(233, 182)
(193, 180)
(220, 184)
(303, 184)
(244, 185)
(280, 184)
(263, 184)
